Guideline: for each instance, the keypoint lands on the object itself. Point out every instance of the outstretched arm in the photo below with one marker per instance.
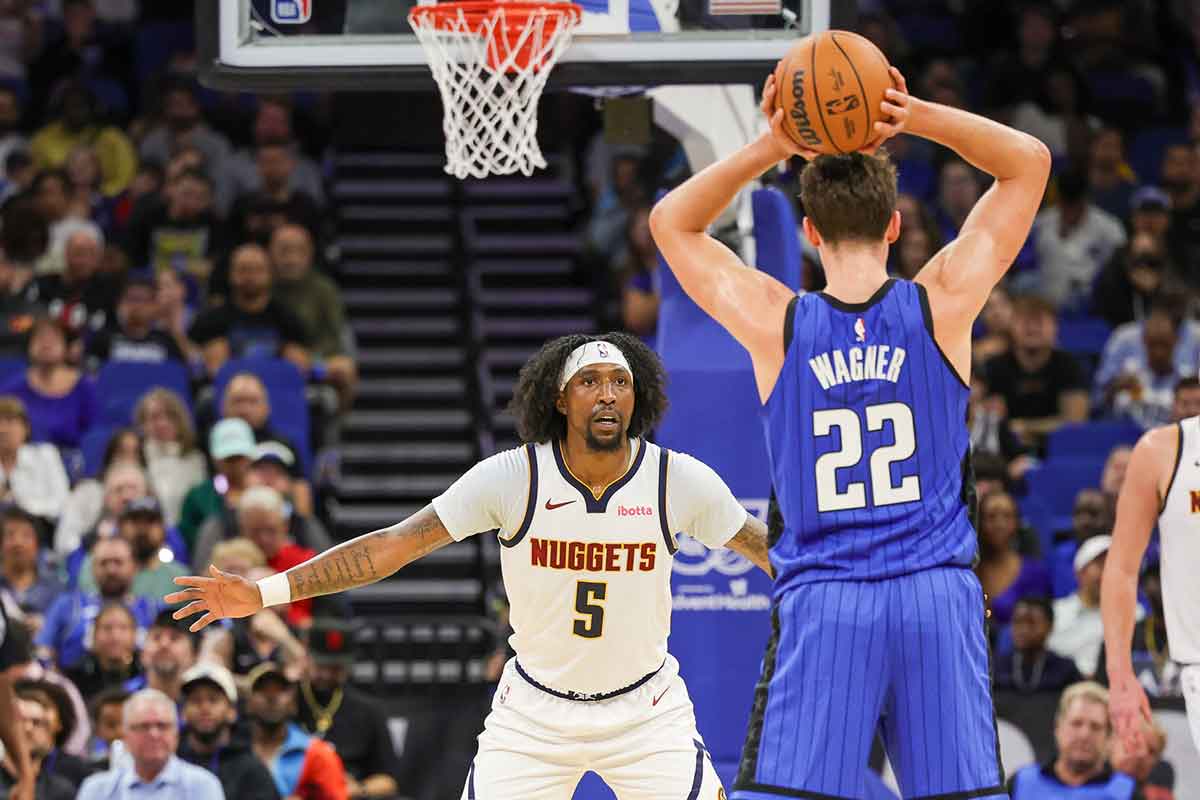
(751, 542)
(358, 562)
(1137, 509)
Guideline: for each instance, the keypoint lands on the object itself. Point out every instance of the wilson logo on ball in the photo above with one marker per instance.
(799, 112)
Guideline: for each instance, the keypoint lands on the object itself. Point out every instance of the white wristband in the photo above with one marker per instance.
(275, 590)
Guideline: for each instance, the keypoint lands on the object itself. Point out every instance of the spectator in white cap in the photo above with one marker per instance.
(211, 738)
(1078, 631)
(231, 444)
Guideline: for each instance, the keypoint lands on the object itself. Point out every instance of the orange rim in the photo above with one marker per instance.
(444, 15)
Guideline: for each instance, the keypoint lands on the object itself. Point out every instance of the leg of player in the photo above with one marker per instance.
(939, 726)
(514, 775)
(663, 756)
(817, 704)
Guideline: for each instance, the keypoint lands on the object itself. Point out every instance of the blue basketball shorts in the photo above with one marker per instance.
(906, 657)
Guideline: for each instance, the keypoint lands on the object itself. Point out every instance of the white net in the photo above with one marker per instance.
(491, 62)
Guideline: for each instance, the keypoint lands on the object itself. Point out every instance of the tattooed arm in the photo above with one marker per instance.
(751, 542)
(358, 562)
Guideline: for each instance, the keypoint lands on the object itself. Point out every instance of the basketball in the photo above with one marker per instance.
(830, 86)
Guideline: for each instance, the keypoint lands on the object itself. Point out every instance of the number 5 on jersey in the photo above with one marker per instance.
(590, 625)
(849, 427)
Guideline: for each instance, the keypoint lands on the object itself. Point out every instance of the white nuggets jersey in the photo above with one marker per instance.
(1179, 530)
(588, 576)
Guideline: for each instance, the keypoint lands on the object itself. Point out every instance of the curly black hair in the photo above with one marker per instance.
(533, 401)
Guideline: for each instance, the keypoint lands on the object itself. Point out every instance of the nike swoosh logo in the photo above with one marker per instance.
(551, 506)
(654, 702)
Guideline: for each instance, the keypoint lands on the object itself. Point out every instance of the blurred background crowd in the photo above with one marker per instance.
(176, 361)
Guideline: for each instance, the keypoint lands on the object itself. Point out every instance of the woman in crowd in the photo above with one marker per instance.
(85, 506)
(31, 475)
(113, 657)
(1005, 573)
(173, 461)
(59, 399)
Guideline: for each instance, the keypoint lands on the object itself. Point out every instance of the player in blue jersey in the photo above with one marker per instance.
(878, 619)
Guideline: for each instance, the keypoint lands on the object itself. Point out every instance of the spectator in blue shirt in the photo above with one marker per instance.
(1141, 364)
(153, 771)
(1082, 731)
(68, 625)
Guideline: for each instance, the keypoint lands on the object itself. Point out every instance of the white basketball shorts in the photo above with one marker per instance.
(1189, 679)
(643, 743)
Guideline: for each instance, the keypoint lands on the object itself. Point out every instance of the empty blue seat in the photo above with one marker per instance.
(1082, 335)
(285, 392)
(121, 384)
(1146, 151)
(1090, 439)
(776, 237)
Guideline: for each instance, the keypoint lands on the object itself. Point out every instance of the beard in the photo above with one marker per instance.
(144, 548)
(270, 722)
(167, 670)
(602, 446)
(207, 738)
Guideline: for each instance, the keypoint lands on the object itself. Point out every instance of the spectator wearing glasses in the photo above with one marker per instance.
(35, 725)
(151, 735)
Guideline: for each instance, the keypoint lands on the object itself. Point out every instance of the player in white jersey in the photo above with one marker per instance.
(587, 512)
(1162, 485)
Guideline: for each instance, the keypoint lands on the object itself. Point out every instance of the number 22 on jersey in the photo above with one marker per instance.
(849, 427)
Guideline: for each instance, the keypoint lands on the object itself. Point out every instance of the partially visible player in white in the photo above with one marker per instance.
(1162, 485)
(587, 513)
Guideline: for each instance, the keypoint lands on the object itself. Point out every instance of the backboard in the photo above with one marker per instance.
(267, 45)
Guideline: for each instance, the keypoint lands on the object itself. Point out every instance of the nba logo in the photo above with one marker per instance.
(860, 330)
(291, 12)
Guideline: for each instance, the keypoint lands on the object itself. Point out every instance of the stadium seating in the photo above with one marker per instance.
(1090, 439)
(120, 384)
(285, 392)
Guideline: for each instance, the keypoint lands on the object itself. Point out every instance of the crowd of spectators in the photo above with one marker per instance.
(145, 220)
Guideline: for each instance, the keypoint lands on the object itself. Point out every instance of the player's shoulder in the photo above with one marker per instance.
(513, 460)
(1161, 444)
(684, 467)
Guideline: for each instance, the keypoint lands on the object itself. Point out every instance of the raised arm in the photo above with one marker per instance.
(1138, 506)
(751, 542)
(961, 276)
(358, 562)
(748, 303)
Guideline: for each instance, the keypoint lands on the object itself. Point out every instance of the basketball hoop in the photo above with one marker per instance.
(491, 59)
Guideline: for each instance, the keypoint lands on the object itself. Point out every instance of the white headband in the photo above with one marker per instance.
(591, 353)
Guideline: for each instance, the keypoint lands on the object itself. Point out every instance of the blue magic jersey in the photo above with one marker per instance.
(866, 431)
